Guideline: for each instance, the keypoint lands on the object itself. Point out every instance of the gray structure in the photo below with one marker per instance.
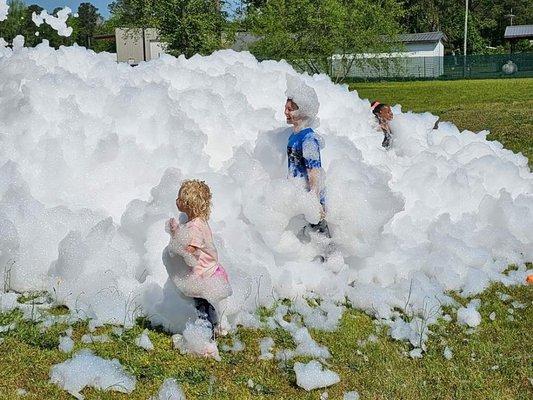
(138, 44)
(515, 33)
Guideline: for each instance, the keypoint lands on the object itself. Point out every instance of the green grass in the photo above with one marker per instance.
(502, 106)
(494, 362)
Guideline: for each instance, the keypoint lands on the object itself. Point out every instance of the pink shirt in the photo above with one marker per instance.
(200, 236)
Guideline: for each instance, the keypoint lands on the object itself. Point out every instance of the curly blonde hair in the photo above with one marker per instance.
(194, 197)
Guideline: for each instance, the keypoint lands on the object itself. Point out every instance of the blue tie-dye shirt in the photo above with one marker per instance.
(303, 154)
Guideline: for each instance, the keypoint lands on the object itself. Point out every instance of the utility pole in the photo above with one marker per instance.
(466, 28)
(466, 35)
(510, 17)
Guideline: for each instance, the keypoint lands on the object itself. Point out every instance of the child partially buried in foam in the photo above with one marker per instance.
(205, 281)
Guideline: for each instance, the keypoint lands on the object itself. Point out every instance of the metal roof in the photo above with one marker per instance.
(518, 31)
(422, 37)
(243, 40)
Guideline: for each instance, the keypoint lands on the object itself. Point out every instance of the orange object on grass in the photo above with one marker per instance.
(529, 279)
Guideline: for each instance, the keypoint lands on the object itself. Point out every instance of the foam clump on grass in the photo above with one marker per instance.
(469, 315)
(442, 211)
(313, 376)
(87, 370)
(144, 341)
(170, 390)
(66, 344)
(447, 353)
(353, 395)
(8, 301)
(89, 338)
(196, 339)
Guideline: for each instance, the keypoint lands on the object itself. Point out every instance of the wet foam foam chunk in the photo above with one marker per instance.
(4, 8)
(86, 369)
(313, 376)
(170, 390)
(57, 23)
(144, 341)
(469, 315)
(354, 395)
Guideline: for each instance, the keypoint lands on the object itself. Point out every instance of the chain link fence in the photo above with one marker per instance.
(447, 67)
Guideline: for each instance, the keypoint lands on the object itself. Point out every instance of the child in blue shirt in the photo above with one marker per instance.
(303, 148)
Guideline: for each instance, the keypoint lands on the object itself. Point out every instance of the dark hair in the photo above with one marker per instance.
(293, 102)
(377, 107)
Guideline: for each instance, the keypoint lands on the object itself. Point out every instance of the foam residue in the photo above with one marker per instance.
(313, 376)
(170, 390)
(4, 8)
(57, 23)
(144, 341)
(93, 152)
(66, 344)
(86, 369)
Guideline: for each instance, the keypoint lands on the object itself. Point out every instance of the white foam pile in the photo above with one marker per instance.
(170, 390)
(4, 9)
(92, 154)
(313, 376)
(86, 369)
(57, 23)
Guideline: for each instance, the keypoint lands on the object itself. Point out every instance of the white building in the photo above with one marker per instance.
(422, 57)
(138, 44)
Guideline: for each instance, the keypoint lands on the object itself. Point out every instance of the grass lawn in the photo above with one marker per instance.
(502, 106)
(492, 362)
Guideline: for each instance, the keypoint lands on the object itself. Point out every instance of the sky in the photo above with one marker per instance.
(49, 5)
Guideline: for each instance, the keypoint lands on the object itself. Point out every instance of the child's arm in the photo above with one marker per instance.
(171, 227)
(311, 153)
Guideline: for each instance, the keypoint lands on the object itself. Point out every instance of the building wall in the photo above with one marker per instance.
(130, 45)
(418, 60)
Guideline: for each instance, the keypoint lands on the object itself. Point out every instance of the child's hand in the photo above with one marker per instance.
(173, 226)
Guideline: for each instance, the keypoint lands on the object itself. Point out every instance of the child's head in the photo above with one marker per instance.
(381, 110)
(194, 199)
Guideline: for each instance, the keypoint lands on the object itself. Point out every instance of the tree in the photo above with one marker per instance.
(87, 21)
(16, 20)
(486, 23)
(323, 35)
(191, 26)
(187, 26)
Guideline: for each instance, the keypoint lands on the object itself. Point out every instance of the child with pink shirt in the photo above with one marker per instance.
(206, 281)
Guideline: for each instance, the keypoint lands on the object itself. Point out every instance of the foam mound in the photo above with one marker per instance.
(86, 369)
(92, 154)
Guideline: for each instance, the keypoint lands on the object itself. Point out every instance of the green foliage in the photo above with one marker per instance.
(307, 33)
(87, 21)
(190, 26)
(187, 26)
(16, 20)
(486, 23)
